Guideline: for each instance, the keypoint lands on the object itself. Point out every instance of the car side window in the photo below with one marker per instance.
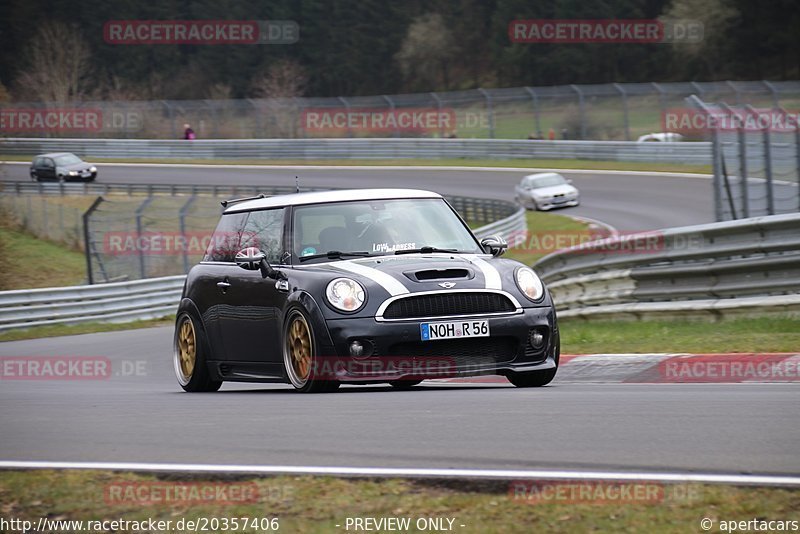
(37, 162)
(225, 240)
(49, 163)
(264, 230)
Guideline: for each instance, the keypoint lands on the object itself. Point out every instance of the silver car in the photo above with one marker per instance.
(545, 191)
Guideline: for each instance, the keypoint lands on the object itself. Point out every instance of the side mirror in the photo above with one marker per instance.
(494, 245)
(253, 259)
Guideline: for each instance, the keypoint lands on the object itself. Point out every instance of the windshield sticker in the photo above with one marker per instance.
(308, 251)
(385, 247)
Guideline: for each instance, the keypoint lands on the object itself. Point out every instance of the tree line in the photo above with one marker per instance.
(55, 49)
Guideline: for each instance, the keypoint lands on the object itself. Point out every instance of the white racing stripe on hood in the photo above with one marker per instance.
(387, 281)
(490, 274)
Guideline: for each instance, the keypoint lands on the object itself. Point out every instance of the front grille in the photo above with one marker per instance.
(448, 304)
(460, 352)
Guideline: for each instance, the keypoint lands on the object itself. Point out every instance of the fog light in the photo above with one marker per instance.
(536, 339)
(356, 349)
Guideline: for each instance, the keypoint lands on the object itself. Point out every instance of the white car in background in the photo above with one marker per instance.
(545, 191)
(663, 137)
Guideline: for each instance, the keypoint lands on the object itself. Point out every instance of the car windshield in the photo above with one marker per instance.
(546, 181)
(378, 227)
(68, 159)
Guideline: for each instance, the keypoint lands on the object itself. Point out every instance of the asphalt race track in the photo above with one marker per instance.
(140, 414)
(629, 202)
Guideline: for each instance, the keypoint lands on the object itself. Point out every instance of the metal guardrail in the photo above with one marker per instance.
(724, 268)
(145, 299)
(115, 302)
(379, 148)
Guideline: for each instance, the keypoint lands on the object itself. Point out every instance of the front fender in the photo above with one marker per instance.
(314, 314)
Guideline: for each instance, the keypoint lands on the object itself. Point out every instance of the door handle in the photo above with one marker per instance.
(223, 285)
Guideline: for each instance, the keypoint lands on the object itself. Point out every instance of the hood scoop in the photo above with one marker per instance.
(430, 275)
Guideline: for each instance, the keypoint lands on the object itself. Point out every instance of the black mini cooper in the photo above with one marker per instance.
(363, 286)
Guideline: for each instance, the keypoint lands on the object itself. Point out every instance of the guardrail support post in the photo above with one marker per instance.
(87, 242)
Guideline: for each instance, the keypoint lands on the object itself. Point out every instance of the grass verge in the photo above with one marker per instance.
(752, 334)
(319, 504)
(540, 224)
(31, 262)
(84, 328)
(461, 162)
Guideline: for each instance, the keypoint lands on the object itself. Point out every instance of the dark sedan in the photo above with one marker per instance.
(62, 167)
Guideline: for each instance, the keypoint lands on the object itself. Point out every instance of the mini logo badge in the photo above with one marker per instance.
(447, 285)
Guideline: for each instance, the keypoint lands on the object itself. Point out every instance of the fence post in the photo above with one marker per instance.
(735, 92)
(535, 98)
(87, 242)
(489, 110)
(389, 101)
(773, 91)
(139, 211)
(347, 111)
(622, 92)
(661, 96)
(581, 110)
(716, 158)
(741, 140)
(182, 222)
(439, 110)
(767, 160)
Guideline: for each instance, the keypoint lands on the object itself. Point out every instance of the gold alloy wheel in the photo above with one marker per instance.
(186, 350)
(299, 348)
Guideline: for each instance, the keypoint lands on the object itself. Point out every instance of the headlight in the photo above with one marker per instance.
(92, 169)
(529, 283)
(73, 173)
(345, 294)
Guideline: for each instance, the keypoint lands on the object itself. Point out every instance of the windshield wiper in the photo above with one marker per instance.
(424, 250)
(335, 255)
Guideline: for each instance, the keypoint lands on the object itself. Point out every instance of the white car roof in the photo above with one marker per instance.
(319, 197)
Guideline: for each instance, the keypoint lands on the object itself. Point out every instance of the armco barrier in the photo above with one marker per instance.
(139, 299)
(745, 266)
(380, 148)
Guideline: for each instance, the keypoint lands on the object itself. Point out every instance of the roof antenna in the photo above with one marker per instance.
(297, 184)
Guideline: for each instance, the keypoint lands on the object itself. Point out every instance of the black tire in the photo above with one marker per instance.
(532, 379)
(404, 384)
(193, 376)
(301, 357)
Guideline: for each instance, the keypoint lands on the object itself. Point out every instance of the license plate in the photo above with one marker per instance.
(453, 329)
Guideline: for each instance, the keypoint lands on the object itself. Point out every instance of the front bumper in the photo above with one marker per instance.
(395, 351)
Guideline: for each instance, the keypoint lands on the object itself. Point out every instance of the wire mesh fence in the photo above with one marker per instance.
(756, 158)
(575, 112)
(130, 236)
